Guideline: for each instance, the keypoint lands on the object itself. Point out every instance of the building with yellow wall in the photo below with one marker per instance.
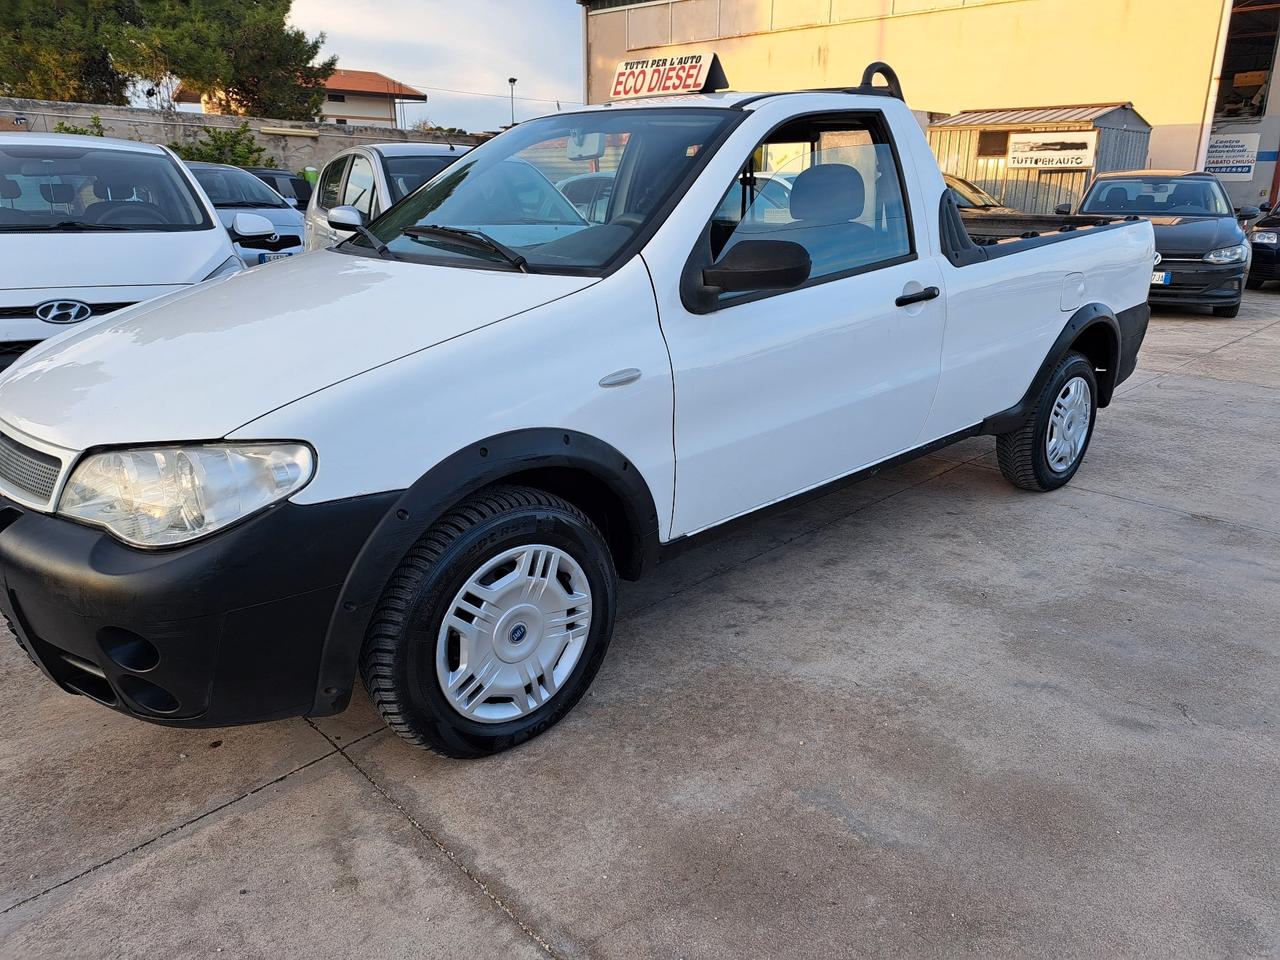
(1165, 57)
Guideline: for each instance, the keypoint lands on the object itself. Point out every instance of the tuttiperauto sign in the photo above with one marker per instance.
(663, 76)
(1052, 150)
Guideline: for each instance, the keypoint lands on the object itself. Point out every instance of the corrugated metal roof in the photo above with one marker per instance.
(1031, 116)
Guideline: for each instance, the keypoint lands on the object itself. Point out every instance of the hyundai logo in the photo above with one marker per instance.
(519, 632)
(64, 311)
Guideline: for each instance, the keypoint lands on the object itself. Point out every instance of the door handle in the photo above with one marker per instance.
(928, 293)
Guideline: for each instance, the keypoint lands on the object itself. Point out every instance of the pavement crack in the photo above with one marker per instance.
(167, 833)
(440, 845)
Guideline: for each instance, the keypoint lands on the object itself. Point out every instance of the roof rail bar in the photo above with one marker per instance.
(892, 87)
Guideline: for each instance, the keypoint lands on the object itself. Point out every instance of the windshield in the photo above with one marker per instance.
(232, 187)
(506, 190)
(1159, 197)
(970, 195)
(407, 174)
(92, 188)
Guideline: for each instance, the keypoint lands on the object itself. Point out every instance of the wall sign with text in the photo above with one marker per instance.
(1053, 150)
(1232, 156)
(664, 76)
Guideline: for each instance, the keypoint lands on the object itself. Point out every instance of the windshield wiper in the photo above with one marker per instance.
(476, 239)
(60, 225)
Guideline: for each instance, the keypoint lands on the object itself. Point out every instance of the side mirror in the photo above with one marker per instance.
(246, 226)
(1248, 213)
(760, 265)
(1062, 209)
(1265, 206)
(346, 218)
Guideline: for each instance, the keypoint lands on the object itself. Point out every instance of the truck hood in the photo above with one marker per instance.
(1193, 237)
(64, 261)
(200, 363)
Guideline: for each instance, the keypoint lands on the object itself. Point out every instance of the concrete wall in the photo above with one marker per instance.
(306, 144)
(951, 55)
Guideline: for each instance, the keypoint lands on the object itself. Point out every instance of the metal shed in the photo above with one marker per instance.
(1022, 157)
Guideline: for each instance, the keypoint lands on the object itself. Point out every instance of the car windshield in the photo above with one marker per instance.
(407, 174)
(970, 195)
(232, 187)
(505, 191)
(46, 188)
(1158, 196)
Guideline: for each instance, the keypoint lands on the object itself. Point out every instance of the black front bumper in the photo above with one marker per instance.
(1266, 262)
(225, 630)
(1196, 284)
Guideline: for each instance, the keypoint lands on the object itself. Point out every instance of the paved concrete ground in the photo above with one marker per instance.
(928, 716)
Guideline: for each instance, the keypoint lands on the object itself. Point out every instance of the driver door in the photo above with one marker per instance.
(780, 391)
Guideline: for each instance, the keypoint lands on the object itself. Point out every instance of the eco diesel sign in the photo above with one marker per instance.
(1232, 156)
(658, 76)
(1053, 150)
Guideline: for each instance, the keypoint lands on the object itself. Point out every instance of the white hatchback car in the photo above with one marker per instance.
(90, 224)
(371, 178)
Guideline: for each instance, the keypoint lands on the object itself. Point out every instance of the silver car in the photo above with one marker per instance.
(234, 191)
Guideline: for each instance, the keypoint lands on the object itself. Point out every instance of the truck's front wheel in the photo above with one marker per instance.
(1045, 452)
(494, 624)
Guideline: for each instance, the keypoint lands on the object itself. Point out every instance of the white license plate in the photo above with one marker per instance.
(268, 257)
(1161, 279)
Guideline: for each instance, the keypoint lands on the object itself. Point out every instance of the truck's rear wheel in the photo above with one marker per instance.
(1046, 451)
(493, 625)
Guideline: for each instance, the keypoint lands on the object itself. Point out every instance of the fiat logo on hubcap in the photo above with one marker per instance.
(519, 632)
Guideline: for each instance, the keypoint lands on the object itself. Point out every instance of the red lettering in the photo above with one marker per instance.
(617, 84)
(655, 79)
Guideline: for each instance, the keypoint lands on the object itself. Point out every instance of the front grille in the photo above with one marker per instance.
(29, 470)
(29, 313)
(11, 350)
(282, 241)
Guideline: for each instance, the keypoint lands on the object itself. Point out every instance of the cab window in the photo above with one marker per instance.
(831, 184)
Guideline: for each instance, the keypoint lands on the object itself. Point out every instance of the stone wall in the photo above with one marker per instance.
(292, 144)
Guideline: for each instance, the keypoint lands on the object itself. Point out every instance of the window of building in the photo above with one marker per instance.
(1247, 62)
(340, 122)
(337, 98)
(993, 143)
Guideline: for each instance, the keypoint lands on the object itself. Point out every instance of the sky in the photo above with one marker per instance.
(459, 45)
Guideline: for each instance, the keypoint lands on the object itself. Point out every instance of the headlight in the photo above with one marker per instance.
(227, 268)
(1270, 238)
(1228, 254)
(161, 496)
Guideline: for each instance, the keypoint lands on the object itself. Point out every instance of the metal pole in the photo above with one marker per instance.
(512, 81)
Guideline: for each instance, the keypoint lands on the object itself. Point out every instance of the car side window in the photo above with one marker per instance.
(330, 194)
(360, 192)
(829, 183)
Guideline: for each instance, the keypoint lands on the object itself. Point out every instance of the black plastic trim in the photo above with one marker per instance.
(1123, 354)
(454, 478)
(673, 548)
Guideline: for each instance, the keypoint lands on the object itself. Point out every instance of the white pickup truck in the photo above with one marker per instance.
(425, 456)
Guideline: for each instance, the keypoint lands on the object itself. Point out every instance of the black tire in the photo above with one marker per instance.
(1227, 313)
(1021, 453)
(397, 661)
(1253, 283)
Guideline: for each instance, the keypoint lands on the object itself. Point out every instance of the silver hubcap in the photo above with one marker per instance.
(1068, 425)
(514, 633)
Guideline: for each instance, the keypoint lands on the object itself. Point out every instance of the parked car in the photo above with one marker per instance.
(294, 187)
(1204, 253)
(427, 454)
(974, 201)
(1264, 238)
(371, 178)
(234, 191)
(89, 225)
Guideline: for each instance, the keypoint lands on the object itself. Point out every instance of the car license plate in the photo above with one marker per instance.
(268, 257)
(1161, 279)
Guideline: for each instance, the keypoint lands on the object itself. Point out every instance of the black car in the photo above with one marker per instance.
(295, 188)
(1202, 250)
(1265, 239)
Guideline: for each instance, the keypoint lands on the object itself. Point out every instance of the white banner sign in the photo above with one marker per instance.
(1232, 155)
(659, 76)
(1053, 150)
